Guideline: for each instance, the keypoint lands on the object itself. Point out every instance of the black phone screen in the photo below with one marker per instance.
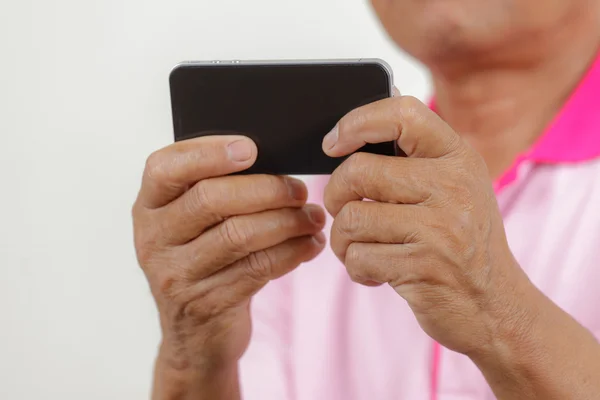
(285, 109)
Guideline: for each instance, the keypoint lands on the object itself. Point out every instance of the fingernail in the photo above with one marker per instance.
(315, 214)
(296, 188)
(395, 92)
(320, 239)
(331, 138)
(239, 151)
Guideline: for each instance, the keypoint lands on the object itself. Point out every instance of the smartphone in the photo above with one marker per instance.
(286, 107)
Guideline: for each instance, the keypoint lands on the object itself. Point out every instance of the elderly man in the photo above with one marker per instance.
(472, 274)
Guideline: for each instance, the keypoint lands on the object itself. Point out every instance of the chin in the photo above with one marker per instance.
(436, 30)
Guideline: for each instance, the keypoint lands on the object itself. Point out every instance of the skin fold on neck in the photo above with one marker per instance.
(501, 104)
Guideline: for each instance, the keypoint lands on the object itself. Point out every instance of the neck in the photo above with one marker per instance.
(501, 107)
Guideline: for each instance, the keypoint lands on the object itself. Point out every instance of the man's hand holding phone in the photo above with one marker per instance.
(207, 242)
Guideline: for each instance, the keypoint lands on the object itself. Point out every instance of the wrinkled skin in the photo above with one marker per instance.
(208, 242)
(433, 230)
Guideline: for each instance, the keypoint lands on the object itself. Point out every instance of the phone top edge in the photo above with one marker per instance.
(290, 62)
(298, 61)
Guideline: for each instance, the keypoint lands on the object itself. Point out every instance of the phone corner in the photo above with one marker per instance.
(385, 67)
(176, 68)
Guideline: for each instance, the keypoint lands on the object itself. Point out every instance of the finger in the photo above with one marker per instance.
(397, 265)
(235, 284)
(239, 236)
(384, 179)
(419, 131)
(211, 201)
(170, 171)
(371, 222)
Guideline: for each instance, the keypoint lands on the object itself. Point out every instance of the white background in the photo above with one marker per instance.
(83, 100)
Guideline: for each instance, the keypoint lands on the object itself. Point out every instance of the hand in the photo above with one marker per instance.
(208, 242)
(433, 230)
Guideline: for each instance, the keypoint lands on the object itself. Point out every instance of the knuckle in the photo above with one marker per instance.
(408, 114)
(409, 108)
(456, 146)
(165, 284)
(263, 189)
(201, 199)
(351, 170)
(471, 163)
(353, 256)
(156, 167)
(355, 163)
(409, 102)
(289, 221)
(167, 277)
(235, 236)
(456, 236)
(461, 193)
(355, 276)
(467, 203)
(349, 219)
(452, 239)
(454, 194)
(414, 236)
(274, 188)
(145, 244)
(260, 265)
(136, 210)
(356, 272)
(144, 252)
(282, 224)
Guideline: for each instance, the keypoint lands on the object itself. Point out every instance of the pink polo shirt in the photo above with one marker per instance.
(319, 336)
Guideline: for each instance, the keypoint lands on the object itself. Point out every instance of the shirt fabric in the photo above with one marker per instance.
(319, 336)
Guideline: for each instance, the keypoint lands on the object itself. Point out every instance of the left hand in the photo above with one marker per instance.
(433, 230)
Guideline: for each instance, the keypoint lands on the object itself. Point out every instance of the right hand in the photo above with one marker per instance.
(208, 242)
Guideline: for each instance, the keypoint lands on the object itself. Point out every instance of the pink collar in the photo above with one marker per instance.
(574, 134)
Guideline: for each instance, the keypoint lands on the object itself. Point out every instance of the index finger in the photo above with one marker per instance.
(172, 170)
(418, 130)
